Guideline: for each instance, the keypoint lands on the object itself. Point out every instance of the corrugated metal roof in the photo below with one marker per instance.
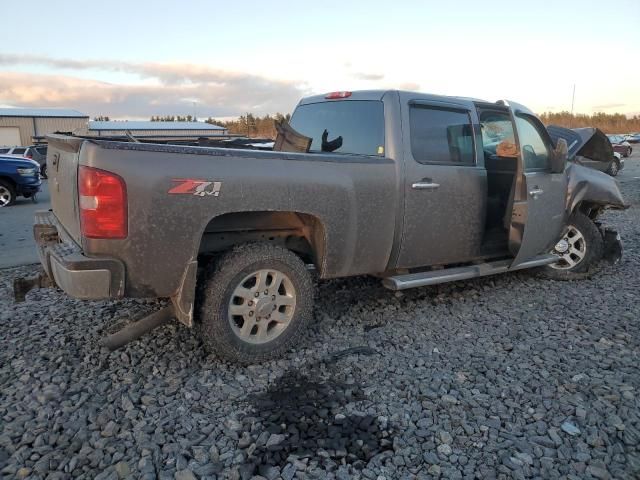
(141, 125)
(41, 112)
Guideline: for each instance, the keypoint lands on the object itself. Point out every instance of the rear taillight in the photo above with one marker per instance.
(28, 155)
(103, 203)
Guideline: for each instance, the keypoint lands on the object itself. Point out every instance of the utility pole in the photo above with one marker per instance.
(195, 111)
(573, 98)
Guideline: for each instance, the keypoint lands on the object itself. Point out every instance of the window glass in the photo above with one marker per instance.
(496, 128)
(18, 151)
(348, 126)
(441, 136)
(535, 153)
(4, 150)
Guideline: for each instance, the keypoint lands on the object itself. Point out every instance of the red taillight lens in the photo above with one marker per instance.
(28, 155)
(334, 95)
(103, 203)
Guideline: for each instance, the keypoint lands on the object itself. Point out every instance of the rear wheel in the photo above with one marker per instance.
(579, 250)
(7, 194)
(43, 171)
(258, 300)
(629, 150)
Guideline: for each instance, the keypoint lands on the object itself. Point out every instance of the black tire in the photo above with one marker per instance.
(8, 193)
(221, 281)
(43, 171)
(614, 168)
(594, 250)
(629, 150)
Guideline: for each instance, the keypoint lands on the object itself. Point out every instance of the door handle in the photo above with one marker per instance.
(534, 192)
(425, 185)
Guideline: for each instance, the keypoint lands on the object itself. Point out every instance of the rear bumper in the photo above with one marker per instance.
(68, 268)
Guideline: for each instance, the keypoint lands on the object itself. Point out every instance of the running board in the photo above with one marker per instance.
(433, 277)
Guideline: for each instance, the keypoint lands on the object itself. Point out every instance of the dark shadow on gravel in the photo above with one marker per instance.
(300, 420)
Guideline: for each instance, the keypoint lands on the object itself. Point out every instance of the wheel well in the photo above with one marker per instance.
(8, 179)
(299, 232)
(590, 209)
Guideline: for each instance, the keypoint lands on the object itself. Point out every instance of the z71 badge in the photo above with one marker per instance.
(199, 188)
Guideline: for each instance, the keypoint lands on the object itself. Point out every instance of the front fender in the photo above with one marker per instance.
(588, 185)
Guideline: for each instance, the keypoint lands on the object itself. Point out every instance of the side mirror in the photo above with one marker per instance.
(559, 157)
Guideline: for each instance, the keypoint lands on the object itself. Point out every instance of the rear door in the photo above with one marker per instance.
(538, 214)
(444, 189)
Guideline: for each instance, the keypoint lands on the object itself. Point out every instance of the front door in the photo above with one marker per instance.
(445, 189)
(539, 209)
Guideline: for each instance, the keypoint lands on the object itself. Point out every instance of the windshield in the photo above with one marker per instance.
(350, 126)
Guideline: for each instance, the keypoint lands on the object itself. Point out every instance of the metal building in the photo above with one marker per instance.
(26, 126)
(143, 129)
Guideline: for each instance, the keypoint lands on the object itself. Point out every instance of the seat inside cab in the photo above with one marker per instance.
(500, 159)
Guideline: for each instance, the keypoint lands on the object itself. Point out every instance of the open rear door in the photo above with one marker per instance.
(538, 215)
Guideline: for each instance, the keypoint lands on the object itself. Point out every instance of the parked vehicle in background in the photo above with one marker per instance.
(34, 152)
(589, 147)
(633, 138)
(19, 177)
(620, 145)
(415, 189)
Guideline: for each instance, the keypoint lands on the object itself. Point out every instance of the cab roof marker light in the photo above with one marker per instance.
(336, 95)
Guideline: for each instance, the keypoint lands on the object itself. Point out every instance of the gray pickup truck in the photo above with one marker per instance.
(415, 189)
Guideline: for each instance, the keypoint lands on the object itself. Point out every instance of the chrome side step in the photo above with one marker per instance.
(433, 277)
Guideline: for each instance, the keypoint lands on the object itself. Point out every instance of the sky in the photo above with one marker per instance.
(134, 59)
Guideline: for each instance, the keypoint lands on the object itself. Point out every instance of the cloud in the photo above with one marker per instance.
(217, 92)
(410, 86)
(607, 106)
(368, 76)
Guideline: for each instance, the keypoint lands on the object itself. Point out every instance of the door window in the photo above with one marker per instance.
(441, 136)
(535, 152)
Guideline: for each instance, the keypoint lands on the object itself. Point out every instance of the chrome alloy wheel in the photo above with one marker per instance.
(5, 196)
(570, 250)
(261, 306)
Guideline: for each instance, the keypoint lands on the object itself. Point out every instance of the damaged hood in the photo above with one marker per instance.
(591, 143)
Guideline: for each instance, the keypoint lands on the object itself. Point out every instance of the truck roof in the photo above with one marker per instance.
(378, 94)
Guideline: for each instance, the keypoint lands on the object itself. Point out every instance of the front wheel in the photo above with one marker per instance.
(629, 150)
(7, 194)
(258, 300)
(579, 250)
(614, 168)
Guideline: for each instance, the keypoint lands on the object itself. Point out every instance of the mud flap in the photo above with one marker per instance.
(612, 246)
(22, 286)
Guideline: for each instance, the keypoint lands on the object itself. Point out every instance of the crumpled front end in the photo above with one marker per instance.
(586, 185)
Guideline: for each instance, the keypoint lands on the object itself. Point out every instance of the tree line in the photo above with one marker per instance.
(252, 125)
(607, 122)
(264, 127)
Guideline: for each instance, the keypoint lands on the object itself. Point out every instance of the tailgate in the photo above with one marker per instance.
(62, 169)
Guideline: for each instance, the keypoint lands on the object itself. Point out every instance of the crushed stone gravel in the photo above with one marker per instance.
(502, 377)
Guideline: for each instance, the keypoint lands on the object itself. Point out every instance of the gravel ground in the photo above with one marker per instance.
(508, 376)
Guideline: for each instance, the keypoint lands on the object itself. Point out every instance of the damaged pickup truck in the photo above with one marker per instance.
(415, 189)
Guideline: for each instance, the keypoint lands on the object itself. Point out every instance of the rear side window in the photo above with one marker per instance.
(441, 136)
(18, 151)
(348, 126)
